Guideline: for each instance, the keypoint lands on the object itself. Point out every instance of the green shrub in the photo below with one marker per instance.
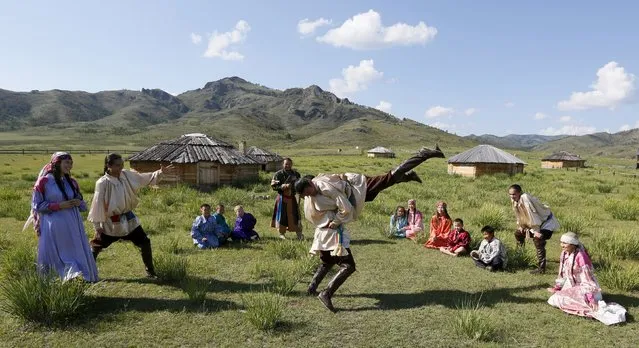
(263, 310)
(43, 299)
(171, 268)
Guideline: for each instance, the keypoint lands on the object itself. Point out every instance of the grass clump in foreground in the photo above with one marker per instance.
(195, 288)
(43, 298)
(171, 268)
(263, 310)
(472, 321)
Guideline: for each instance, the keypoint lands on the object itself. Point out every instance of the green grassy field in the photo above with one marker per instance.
(401, 295)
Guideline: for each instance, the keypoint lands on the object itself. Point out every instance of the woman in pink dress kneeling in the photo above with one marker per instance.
(576, 290)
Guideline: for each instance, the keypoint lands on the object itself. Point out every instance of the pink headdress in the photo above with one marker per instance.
(48, 168)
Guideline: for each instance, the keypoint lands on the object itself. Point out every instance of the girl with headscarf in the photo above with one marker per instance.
(440, 226)
(398, 223)
(415, 220)
(576, 289)
(55, 213)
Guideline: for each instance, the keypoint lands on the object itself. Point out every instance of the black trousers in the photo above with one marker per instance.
(330, 260)
(495, 263)
(102, 241)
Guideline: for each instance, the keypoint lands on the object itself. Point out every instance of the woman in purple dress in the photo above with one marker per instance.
(55, 212)
(244, 225)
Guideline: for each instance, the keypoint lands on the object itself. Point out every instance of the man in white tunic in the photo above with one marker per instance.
(112, 208)
(331, 201)
(534, 220)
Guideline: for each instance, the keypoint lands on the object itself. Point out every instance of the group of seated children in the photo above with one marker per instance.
(210, 231)
(448, 236)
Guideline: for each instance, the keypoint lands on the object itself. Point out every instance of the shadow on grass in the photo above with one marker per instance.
(446, 298)
(371, 241)
(103, 305)
(215, 284)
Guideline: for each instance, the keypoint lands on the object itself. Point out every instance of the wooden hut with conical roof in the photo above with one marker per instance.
(200, 160)
(562, 159)
(380, 152)
(484, 160)
(269, 161)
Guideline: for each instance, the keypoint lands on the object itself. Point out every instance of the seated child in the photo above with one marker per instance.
(225, 230)
(398, 223)
(205, 231)
(491, 254)
(458, 240)
(244, 225)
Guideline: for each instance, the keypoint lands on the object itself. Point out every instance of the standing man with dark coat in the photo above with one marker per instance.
(286, 215)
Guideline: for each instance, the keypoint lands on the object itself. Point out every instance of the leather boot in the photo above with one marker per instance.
(337, 281)
(520, 236)
(402, 172)
(540, 245)
(147, 258)
(319, 275)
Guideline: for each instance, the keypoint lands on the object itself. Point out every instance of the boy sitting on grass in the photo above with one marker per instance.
(206, 233)
(458, 240)
(491, 254)
(244, 226)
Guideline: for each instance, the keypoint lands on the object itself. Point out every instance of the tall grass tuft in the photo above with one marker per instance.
(617, 277)
(43, 299)
(471, 321)
(195, 288)
(283, 279)
(520, 257)
(575, 224)
(615, 244)
(605, 188)
(18, 261)
(287, 249)
(491, 214)
(171, 268)
(622, 210)
(263, 310)
(172, 246)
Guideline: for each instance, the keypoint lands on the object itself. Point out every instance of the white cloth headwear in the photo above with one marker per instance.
(570, 238)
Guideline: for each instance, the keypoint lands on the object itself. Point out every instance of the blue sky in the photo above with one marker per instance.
(499, 67)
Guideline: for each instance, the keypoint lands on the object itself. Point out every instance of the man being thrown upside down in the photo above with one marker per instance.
(331, 201)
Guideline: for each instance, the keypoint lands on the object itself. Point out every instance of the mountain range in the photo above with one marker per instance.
(233, 108)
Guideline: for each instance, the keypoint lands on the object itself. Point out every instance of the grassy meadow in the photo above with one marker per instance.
(253, 295)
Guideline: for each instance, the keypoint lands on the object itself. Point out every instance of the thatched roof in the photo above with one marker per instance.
(263, 156)
(380, 149)
(193, 148)
(485, 154)
(562, 156)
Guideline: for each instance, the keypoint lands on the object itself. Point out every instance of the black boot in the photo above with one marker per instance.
(540, 245)
(337, 281)
(147, 258)
(319, 275)
(402, 173)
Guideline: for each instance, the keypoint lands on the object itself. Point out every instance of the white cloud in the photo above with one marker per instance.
(613, 87)
(626, 127)
(565, 119)
(509, 104)
(384, 106)
(195, 38)
(571, 129)
(470, 111)
(220, 43)
(365, 31)
(306, 27)
(355, 78)
(439, 111)
(443, 126)
(540, 116)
